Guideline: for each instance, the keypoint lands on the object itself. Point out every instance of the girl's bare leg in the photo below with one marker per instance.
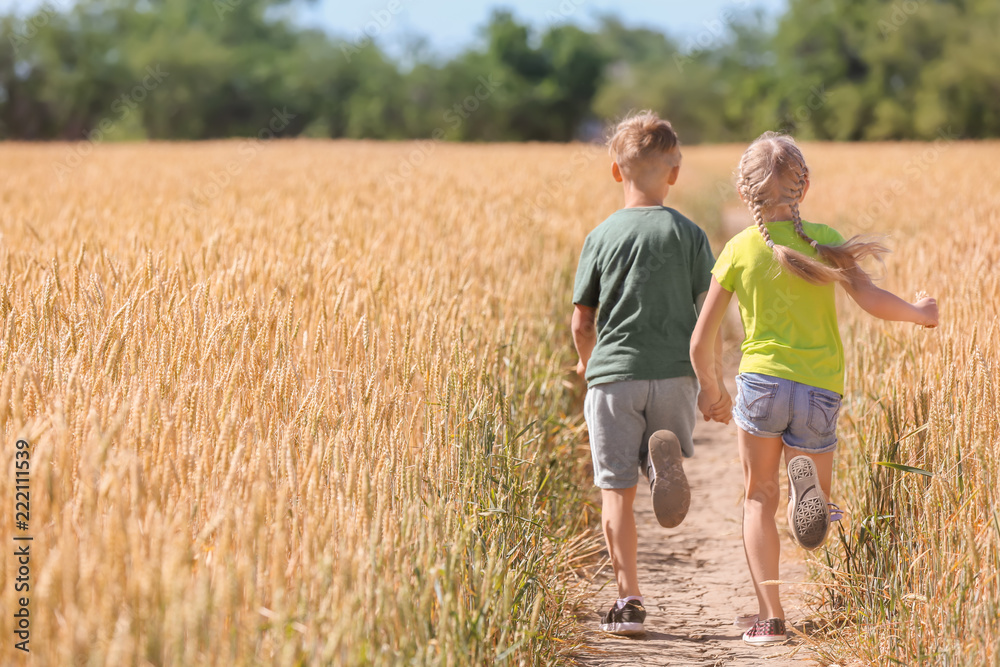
(761, 458)
(620, 534)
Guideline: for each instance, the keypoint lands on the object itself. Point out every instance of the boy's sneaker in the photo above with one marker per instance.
(764, 633)
(626, 620)
(667, 483)
(808, 514)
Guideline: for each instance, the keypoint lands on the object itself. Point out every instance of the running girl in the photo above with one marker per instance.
(791, 380)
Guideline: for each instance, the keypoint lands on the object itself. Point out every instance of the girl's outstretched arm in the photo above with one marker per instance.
(713, 400)
(887, 306)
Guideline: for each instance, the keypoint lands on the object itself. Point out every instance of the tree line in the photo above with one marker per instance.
(200, 69)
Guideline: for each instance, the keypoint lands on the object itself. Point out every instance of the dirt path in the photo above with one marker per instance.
(694, 577)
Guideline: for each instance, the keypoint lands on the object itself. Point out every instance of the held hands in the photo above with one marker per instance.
(716, 405)
(927, 310)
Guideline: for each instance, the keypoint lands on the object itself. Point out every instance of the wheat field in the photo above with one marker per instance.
(914, 573)
(301, 403)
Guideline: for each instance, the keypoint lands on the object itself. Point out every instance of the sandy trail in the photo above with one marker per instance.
(694, 577)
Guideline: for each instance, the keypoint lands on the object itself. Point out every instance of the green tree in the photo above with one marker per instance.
(198, 69)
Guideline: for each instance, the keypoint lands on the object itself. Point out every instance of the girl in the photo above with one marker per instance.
(791, 380)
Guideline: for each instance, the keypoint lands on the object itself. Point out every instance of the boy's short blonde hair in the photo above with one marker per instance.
(641, 136)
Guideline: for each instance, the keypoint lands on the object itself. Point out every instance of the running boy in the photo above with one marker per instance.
(641, 274)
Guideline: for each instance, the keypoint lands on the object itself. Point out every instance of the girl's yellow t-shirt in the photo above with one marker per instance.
(790, 324)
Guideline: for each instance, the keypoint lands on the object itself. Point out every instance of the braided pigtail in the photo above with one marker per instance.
(749, 195)
(758, 217)
(772, 174)
(796, 195)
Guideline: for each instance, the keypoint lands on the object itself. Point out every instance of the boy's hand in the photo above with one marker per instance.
(722, 411)
(715, 405)
(927, 309)
(581, 369)
(707, 398)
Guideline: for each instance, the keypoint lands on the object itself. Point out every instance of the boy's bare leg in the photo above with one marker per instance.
(620, 534)
(761, 458)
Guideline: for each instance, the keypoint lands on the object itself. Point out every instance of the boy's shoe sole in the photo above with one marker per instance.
(668, 484)
(808, 514)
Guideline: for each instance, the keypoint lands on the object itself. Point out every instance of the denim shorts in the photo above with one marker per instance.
(804, 417)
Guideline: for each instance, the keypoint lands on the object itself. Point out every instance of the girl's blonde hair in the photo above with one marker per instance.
(773, 173)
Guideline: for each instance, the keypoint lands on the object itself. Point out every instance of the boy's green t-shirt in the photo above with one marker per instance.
(790, 324)
(644, 268)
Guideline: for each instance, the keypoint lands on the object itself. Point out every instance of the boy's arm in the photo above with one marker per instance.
(584, 329)
(706, 354)
(887, 306)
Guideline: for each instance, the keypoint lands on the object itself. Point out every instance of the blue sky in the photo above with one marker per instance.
(450, 25)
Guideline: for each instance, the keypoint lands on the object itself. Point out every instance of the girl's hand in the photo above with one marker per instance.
(581, 369)
(722, 411)
(714, 403)
(927, 309)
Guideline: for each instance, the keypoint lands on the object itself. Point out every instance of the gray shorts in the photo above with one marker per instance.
(621, 416)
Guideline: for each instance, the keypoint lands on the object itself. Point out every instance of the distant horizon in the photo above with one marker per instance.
(448, 27)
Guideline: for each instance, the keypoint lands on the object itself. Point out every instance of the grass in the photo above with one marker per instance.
(284, 409)
(912, 575)
(313, 419)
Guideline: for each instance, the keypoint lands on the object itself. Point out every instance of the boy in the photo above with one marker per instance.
(646, 267)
